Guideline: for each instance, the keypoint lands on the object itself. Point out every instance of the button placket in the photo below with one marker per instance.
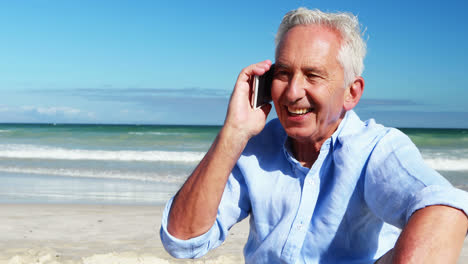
(309, 197)
(304, 215)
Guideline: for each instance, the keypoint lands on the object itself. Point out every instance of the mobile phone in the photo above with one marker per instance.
(261, 89)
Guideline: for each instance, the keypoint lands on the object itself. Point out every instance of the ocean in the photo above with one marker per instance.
(145, 164)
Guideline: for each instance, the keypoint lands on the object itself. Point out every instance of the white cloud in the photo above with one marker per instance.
(4, 109)
(54, 110)
(29, 113)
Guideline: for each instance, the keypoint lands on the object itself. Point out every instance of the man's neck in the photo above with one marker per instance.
(306, 154)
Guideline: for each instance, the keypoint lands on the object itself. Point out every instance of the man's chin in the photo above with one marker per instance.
(300, 134)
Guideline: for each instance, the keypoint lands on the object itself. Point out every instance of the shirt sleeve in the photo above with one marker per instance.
(234, 207)
(398, 182)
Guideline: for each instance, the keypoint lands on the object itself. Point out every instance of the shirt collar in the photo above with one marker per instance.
(345, 122)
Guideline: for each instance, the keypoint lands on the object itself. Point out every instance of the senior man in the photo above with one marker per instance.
(319, 184)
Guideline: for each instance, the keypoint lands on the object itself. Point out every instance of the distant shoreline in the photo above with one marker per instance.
(108, 124)
(187, 125)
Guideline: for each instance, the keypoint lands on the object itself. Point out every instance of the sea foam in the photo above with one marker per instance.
(98, 174)
(25, 151)
(447, 164)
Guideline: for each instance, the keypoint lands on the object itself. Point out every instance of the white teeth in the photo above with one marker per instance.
(298, 111)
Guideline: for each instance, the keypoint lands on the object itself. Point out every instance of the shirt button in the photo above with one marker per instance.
(300, 226)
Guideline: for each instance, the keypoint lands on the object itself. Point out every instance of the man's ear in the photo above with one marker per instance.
(353, 93)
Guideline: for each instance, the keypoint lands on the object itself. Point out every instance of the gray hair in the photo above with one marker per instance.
(353, 47)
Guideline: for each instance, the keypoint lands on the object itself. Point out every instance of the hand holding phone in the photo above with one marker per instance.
(261, 89)
(241, 118)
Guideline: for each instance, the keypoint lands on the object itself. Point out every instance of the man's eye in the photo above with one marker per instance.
(281, 73)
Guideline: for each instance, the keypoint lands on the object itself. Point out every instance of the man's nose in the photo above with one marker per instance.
(295, 89)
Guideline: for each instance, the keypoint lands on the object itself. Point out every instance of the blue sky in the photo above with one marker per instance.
(175, 62)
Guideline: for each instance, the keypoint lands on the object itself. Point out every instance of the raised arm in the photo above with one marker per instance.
(195, 206)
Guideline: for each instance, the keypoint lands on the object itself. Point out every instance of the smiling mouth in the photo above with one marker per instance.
(298, 111)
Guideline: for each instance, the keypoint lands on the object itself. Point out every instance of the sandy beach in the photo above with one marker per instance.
(95, 234)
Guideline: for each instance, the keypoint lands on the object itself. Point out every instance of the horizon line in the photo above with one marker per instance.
(181, 125)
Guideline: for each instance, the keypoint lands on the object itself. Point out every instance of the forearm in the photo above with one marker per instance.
(434, 234)
(195, 206)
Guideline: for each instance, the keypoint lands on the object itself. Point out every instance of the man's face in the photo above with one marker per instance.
(308, 87)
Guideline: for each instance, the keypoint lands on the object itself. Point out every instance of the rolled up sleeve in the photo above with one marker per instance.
(438, 195)
(192, 248)
(234, 207)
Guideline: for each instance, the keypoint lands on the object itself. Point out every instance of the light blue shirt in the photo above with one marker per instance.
(348, 208)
